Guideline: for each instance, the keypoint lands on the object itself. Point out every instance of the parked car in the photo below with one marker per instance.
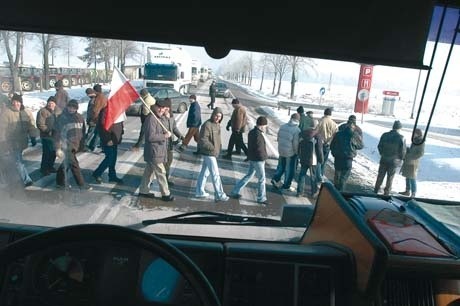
(222, 90)
(178, 100)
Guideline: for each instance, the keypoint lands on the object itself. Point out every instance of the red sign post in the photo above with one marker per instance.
(364, 88)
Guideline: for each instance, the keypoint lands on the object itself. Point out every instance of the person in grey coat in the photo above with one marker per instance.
(155, 153)
(392, 149)
(410, 165)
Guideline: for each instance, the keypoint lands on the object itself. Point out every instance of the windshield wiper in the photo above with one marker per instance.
(208, 217)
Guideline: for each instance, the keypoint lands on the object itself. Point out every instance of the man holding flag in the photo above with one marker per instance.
(110, 124)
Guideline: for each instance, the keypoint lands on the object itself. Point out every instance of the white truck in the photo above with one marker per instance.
(168, 67)
(196, 68)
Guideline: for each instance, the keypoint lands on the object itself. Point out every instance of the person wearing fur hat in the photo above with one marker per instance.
(392, 149)
(209, 146)
(46, 118)
(257, 154)
(16, 127)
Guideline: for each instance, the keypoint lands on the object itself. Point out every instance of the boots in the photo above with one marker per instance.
(405, 193)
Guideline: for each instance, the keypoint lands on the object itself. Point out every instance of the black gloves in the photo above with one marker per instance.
(33, 141)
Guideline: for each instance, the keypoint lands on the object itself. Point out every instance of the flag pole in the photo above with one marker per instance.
(158, 119)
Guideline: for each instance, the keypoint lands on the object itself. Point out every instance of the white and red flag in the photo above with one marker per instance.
(122, 95)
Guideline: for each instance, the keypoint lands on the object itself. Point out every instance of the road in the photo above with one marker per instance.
(43, 204)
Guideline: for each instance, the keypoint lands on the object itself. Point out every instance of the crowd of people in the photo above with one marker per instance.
(302, 140)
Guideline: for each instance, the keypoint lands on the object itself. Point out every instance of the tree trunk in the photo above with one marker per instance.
(293, 81)
(262, 80)
(274, 84)
(279, 86)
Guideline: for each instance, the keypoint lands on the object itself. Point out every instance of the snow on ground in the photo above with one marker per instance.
(439, 171)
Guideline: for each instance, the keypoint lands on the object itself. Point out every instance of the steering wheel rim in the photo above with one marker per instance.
(94, 232)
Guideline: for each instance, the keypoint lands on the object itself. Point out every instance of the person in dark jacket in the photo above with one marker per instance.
(62, 96)
(257, 154)
(344, 145)
(392, 149)
(92, 135)
(210, 145)
(155, 153)
(68, 135)
(410, 165)
(193, 124)
(109, 141)
(310, 158)
(17, 125)
(237, 124)
(46, 118)
(212, 94)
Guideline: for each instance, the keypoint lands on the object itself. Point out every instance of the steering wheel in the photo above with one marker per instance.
(118, 234)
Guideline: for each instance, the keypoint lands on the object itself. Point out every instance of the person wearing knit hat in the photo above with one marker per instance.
(397, 125)
(62, 96)
(288, 147)
(305, 121)
(156, 153)
(392, 149)
(69, 133)
(46, 119)
(17, 125)
(257, 154)
(344, 146)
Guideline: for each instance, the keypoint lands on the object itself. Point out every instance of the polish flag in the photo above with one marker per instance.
(122, 95)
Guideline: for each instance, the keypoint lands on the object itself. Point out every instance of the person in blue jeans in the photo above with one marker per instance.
(288, 146)
(256, 154)
(109, 140)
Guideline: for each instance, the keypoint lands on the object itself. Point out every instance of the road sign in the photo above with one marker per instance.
(322, 91)
(363, 95)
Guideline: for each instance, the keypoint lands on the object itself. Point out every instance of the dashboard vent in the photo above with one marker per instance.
(408, 292)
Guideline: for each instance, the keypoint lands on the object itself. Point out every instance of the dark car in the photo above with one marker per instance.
(222, 90)
(178, 100)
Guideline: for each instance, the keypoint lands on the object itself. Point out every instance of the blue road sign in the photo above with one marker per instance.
(322, 91)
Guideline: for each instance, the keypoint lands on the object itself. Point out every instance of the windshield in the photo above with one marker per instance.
(163, 72)
(54, 176)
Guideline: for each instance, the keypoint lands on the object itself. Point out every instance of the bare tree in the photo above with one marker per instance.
(49, 43)
(296, 64)
(263, 65)
(280, 64)
(16, 39)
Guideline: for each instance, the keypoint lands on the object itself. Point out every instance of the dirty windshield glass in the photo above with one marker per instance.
(70, 154)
